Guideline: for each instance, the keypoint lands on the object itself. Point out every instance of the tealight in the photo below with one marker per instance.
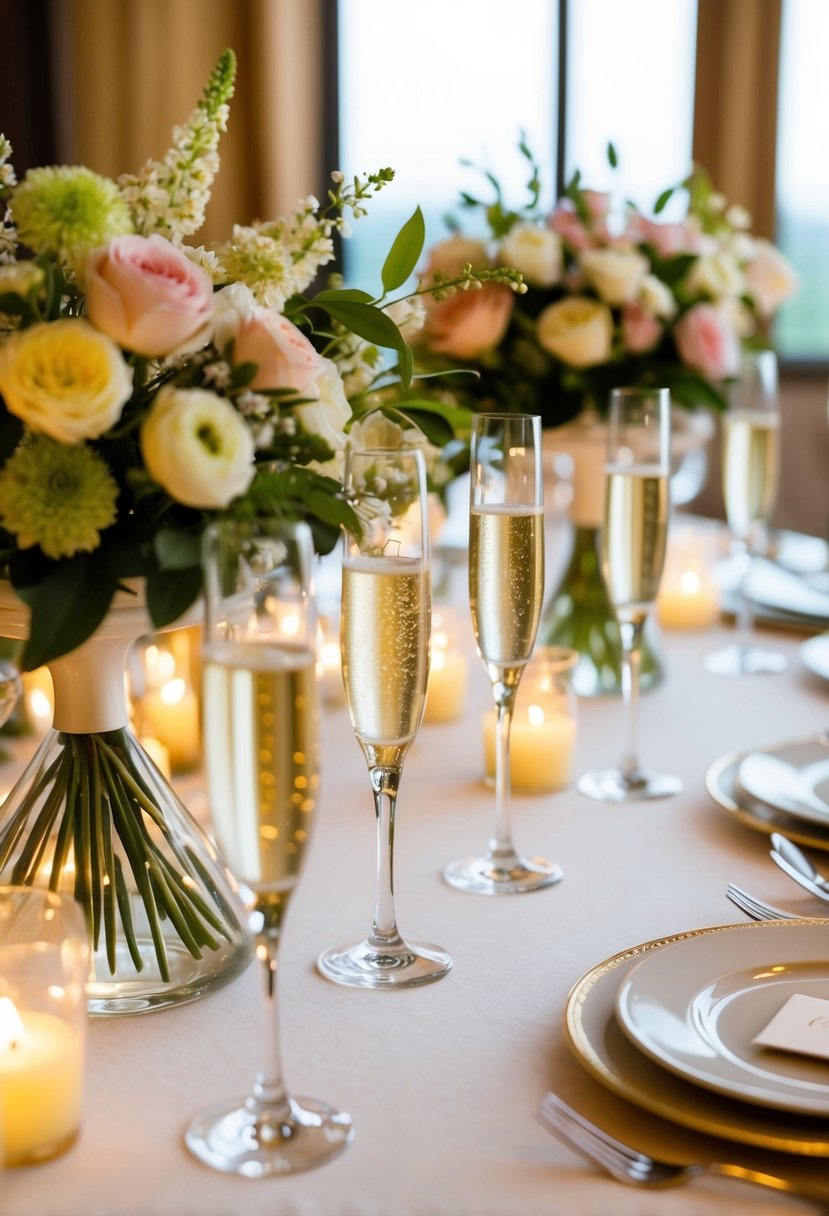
(448, 671)
(688, 597)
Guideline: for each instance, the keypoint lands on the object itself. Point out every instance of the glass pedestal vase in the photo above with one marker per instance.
(92, 816)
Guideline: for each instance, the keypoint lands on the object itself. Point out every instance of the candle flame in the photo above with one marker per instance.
(330, 655)
(535, 715)
(438, 660)
(440, 640)
(690, 583)
(173, 691)
(40, 705)
(11, 1027)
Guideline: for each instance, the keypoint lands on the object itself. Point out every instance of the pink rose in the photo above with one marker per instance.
(640, 330)
(470, 322)
(666, 239)
(148, 297)
(283, 355)
(706, 342)
(565, 221)
(770, 278)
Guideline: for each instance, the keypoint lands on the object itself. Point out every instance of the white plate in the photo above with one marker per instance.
(696, 1006)
(814, 655)
(595, 1038)
(792, 777)
(721, 783)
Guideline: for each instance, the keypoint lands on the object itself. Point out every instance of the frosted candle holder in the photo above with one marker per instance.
(44, 963)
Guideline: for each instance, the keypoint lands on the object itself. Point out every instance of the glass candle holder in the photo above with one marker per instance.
(448, 670)
(44, 962)
(688, 596)
(543, 725)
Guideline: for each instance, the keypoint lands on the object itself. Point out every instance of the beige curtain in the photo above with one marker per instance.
(129, 70)
(735, 118)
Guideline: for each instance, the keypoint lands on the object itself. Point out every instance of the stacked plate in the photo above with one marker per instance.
(790, 590)
(784, 788)
(669, 1025)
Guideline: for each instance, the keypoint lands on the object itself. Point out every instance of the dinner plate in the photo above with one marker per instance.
(696, 1007)
(792, 777)
(814, 655)
(721, 783)
(604, 1050)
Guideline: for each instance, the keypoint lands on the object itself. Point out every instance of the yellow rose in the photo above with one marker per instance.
(64, 379)
(577, 330)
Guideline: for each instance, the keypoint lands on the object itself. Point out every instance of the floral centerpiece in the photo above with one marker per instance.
(613, 297)
(147, 387)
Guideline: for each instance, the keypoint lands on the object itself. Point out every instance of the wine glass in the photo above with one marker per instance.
(506, 585)
(261, 745)
(634, 539)
(385, 625)
(750, 473)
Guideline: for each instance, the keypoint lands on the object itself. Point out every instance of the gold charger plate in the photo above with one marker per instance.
(721, 783)
(600, 1045)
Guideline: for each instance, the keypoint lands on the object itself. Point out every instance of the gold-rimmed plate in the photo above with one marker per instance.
(601, 1046)
(721, 783)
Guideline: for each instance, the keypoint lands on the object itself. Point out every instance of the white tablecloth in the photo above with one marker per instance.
(443, 1082)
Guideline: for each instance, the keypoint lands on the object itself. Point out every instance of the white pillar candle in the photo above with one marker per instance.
(171, 715)
(541, 749)
(446, 692)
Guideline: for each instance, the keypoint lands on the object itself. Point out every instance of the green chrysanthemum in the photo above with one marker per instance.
(66, 210)
(57, 496)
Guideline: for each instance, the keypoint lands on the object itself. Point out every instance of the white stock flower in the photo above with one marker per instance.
(616, 274)
(197, 447)
(408, 315)
(533, 250)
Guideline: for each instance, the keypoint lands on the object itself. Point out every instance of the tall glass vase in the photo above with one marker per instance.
(91, 815)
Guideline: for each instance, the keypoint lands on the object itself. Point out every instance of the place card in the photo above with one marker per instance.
(802, 1026)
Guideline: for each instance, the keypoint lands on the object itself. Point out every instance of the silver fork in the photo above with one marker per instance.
(756, 908)
(627, 1165)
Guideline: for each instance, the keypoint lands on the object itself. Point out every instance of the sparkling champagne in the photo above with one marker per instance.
(635, 538)
(506, 581)
(261, 735)
(386, 622)
(750, 469)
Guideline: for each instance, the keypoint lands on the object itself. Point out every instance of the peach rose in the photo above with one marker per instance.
(640, 329)
(148, 297)
(453, 254)
(769, 278)
(706, 342)
(283, 355)
(470, 322)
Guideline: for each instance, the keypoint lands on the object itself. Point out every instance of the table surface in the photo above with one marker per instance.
(443, 1082)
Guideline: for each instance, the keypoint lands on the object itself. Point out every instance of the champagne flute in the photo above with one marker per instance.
(634, 540)
(506, 585)
(261, 736)
(385, 627)
(750, 471)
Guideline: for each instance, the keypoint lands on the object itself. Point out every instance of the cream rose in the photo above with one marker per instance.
(64, 379)
(717, 275)
(197, 447)
(148, 297)
(534, 251)
(577, 330)
(329, 413)
(769, 278)
(616, 274)
(656, 298)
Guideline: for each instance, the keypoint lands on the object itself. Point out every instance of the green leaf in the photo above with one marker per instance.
(344, 294)
(171, 592)
(67, 605)
(177, 550)
(612, 158)
(404, 253)
(365, 321)
(662, 202)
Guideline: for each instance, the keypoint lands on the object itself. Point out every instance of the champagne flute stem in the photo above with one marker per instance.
(501, 848)
(631, 661)
(745, 605)
(384, 783)
(269, 1101)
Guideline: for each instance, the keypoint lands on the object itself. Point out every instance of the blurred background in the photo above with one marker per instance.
(737, 86)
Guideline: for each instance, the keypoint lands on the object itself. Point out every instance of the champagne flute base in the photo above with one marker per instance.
(741, 660)
(237, 1139)
(400, 966)
(615, 785)
(486, 876)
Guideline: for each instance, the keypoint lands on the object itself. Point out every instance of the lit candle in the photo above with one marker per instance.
(541, 749)
(158, 753)
(171, 715)
(688, 597)
(446, 692)
(330, 669)
(41, 1084)
(38, 698)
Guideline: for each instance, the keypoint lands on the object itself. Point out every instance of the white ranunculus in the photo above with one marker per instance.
(656, 298)
(534, 251)
(197, 447)
(717, 275)
(576, 330)
(329, 413)
(616, 274)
